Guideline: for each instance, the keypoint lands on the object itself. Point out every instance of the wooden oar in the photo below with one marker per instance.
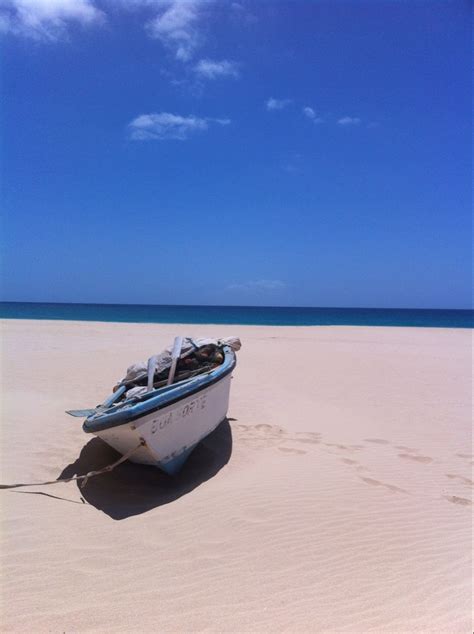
(85, 413)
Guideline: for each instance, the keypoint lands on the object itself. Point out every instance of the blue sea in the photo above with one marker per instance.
(249, 315)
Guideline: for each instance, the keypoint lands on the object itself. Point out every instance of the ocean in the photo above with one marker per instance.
(248, 315)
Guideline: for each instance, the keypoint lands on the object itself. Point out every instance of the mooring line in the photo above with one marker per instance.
(85, 477)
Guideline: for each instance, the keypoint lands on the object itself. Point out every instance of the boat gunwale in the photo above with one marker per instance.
(124, 416)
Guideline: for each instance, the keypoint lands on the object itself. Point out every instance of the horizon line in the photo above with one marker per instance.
(471, 309)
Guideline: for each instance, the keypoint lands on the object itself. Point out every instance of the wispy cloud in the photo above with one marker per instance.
(213, 69)
(160, 126)
(46, 19)
(349, 121)
(221, 121)
(293, 162)
(311, 114)
(258, 285)
(180, 26)
(241, 13)
(177, 26)
(277, 104)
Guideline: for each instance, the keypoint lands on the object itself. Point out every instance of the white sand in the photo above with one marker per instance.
(343, 503)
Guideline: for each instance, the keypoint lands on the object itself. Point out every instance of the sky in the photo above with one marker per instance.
(236, 153)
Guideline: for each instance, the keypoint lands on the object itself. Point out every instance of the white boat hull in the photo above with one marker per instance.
(172, 432)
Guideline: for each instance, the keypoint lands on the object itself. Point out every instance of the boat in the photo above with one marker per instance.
(164, 423)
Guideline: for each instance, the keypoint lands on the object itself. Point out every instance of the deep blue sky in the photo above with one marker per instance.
(363, 200)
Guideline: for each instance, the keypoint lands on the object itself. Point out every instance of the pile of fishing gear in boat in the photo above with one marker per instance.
(186, 359)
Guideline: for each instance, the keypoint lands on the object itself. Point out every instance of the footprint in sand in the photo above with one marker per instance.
(260, 430)
(308, 437)
(261, 435)
(349, 448)
(377, 441)
(423, 459)
(333, 444)
(355, 464)
(458, 500)
(377, 483)
(453, 476)
(289, 450)
(406, 449)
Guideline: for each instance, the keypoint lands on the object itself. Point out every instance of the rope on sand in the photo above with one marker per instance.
(85, 477)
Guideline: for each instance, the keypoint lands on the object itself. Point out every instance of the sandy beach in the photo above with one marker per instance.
(335, 498)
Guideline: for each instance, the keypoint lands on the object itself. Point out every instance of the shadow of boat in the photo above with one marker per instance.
(132, 489)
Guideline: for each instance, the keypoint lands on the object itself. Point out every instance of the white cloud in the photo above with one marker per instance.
(46, 19)
(212, 69)
(277, 104)
(177, 27)
(349, 121)
(258, 285)
(311, 114)
(177, 24)
(160, 126)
